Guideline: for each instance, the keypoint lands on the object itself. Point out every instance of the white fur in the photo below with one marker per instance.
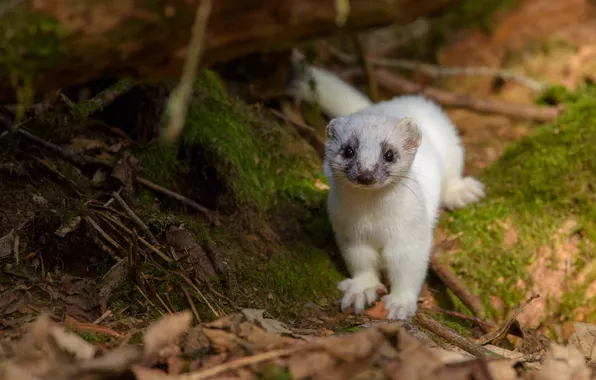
(392, 227)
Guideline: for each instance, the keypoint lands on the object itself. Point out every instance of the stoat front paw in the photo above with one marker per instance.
(400, 307)
(360, 292)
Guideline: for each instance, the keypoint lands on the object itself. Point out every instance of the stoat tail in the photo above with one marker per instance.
(333, 95)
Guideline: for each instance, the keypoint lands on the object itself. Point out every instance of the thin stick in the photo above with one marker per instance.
(438, 71)
(103, 233)
(446, 275)
(211, 215)
(148, 300)
(400, 84)
(177, 106)
(134, 217)
(106, 97)
(192, 304)
(486, 326)
(83, 160)
(364, 62)
(239, 363)
(163, 303)
(143, 241)
(187, 280)
(452, 337)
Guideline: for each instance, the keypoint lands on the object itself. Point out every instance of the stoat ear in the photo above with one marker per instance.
(332, 128)
(409, 129)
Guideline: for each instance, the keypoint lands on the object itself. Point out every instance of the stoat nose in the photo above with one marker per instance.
(365, 178)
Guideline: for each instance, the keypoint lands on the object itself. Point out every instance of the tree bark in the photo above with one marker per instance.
(51, 44)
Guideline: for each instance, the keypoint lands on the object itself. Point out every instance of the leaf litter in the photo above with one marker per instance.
(248, 346)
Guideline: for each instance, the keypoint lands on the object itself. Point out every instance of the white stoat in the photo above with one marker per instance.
(390, 166)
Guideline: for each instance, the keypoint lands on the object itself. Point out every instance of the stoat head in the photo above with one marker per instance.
(370, 151)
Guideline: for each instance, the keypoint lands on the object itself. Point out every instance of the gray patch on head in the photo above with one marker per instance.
(370, 136)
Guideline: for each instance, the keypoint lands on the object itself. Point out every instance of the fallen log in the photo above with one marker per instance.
(50, 44)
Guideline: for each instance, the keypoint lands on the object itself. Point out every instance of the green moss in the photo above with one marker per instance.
(250, 153)
(285, 282)
(538, 184)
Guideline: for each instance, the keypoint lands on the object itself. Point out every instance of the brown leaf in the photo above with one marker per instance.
(352, 347)
(270, 325)
(186, 243)
(307, 364)
(562, 363)
(195, 342)
(165, 331)
(83, 144)
(584, 338)
(145, 373)
(221, 341)
(6, 244)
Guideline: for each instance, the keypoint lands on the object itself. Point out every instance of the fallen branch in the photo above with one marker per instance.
(83, 110)
(453, 338)
(439, 71)
(446, 275)
(399, 84)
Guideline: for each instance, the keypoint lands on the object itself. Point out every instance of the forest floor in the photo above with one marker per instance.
(57, 247)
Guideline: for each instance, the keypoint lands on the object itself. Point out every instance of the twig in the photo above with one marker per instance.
(83, 160)
(134, 217)
(472, 302)
(502, 331)
(487, 326)
(452, 337)
(192, 304)
(364, 62)
(143, 241)
(400, 84)
(438, 71)
(177, 106)
(187, 280)
(102, 317)
(148, 300)
(210, 215)
(163, 303)
(241, 362)
(106, 97)
(103, 233)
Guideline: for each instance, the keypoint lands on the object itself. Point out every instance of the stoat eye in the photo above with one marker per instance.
(389, 156)
(348, 152)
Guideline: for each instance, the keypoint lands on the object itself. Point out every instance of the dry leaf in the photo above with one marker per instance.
(562, 363)
(221, 341)
(270, 325)
(584, 338)
(166, 331)
(6, 244)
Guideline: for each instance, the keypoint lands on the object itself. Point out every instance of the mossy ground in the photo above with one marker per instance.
(533, 191)
(275, 235)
